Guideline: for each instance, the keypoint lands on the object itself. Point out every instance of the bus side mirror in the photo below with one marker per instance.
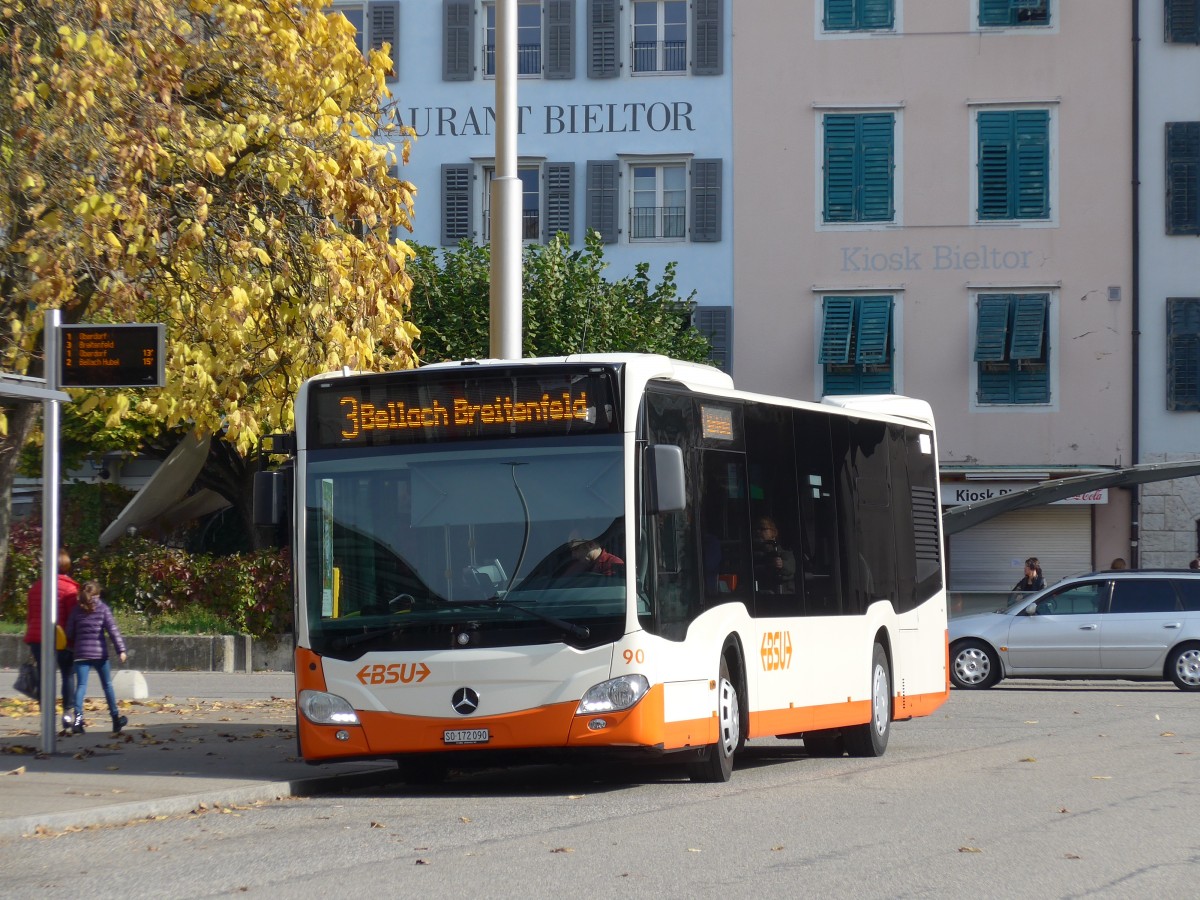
(272, 500)
(667, 482)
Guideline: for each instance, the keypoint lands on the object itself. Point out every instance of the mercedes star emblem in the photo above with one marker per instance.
(465, 701)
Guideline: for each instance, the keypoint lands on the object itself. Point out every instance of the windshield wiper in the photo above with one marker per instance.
(580, 631)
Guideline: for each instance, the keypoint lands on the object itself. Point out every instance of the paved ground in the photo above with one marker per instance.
(201, 738)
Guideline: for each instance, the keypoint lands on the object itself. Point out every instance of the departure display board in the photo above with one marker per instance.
(418, 407)
(111, 355)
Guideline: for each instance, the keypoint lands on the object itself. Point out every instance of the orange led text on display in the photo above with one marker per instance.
(363, 417)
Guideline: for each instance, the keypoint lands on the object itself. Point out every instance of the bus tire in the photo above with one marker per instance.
(715, 764)
(871, 739)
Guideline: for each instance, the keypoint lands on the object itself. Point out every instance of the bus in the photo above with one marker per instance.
(612, 553)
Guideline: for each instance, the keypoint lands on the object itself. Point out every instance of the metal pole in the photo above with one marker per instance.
(505, 293)
(50, 475)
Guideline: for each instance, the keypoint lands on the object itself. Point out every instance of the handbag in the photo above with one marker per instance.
(27, 680)
(60, 638)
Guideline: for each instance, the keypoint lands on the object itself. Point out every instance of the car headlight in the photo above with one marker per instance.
(614, 696)
(327, 709)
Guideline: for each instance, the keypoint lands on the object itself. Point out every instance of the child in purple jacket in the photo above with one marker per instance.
(86, 628)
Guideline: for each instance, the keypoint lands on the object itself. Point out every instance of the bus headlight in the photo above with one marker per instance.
(614, 696)
(327, 709)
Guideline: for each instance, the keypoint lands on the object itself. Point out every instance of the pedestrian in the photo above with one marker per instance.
(92, 619)
(68, 596)
(1118, 563)
(1195, 563)
(1032, 580)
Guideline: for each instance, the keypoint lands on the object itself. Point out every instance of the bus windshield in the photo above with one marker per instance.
(506, 542)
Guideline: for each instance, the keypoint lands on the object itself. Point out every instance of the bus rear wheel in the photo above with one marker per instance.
(871, 739)
(716, 760)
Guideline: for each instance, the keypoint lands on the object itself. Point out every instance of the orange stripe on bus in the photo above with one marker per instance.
(770, 722)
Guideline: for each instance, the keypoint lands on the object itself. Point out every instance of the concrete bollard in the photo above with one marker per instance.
(130, 684)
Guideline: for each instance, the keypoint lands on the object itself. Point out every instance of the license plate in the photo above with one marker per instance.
(466, 736)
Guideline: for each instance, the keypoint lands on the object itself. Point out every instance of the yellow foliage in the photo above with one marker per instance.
(203, 178)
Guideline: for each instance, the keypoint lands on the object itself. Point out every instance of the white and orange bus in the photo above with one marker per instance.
(617, 553)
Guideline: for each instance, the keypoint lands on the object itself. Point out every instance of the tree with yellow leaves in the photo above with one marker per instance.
(223, 166)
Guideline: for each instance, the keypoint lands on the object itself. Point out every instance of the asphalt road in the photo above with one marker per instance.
(1032, 789)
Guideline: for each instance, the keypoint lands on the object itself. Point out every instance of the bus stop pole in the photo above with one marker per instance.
(50, 475)
(506, 200)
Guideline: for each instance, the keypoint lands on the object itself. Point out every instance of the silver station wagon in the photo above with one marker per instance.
(1141, 624)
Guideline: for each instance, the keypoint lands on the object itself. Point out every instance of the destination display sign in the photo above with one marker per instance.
(419, 407)
(111, 355)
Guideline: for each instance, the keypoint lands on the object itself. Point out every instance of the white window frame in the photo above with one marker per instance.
(660, 39)
(897, 221)
(820, 292)
(863, 34)
(1051, 28)
(627, 191)
(489, 8)
(978, 106)
(1053, 343)
(362, 35)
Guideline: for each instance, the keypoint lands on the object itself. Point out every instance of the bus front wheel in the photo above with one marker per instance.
(716, 760)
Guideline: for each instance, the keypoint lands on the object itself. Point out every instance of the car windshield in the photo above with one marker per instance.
(521, 541)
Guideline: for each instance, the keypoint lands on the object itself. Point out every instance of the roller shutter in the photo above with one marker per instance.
(981, 557)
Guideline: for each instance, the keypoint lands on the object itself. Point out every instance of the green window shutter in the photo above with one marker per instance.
(1004, 13)
(995, 161)
(841, 142)
(456, 204)
(1183, 354)
(995, 387)
(874, 331)
(706, 200)
(716, 324)
(1183, 177)
(708, 56)
(1029, 327)
(1182, 22)
(457, 43)
(841, 383)
(560, 191)
(877, 140)
(878, 14)
(601, 207)
(1031, 131)
(385, 29)
(991, 329)
(995, 12)
(838, 320)
(875, 382)
(560, 39)
(839, 15)
(1031, 385)
(603, 23)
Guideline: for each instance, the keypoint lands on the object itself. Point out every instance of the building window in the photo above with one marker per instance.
(1183, 21)
(1013, 164)
(859, 167)
(716, 324)
(1012, 352)
(658, 202)
(529, 39)
(1183, 178)
(531, 202)
(856, 345)
(659, 36)
(1013, 13)
(375, 23)
(1183, 354)
(859, 15)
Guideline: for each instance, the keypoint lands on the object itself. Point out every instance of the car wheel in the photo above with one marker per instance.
(973, 665)
(871, 739)
(1183, 667)
(716, 761)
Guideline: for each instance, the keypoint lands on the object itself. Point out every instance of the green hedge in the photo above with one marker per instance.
(250, 592)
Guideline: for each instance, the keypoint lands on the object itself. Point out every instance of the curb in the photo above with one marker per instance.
(130, 813)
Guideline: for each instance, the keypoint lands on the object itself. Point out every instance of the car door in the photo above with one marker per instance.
(1143, 621)
(1062, 635)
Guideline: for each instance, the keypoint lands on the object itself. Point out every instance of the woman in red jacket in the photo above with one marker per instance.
(68, 596)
